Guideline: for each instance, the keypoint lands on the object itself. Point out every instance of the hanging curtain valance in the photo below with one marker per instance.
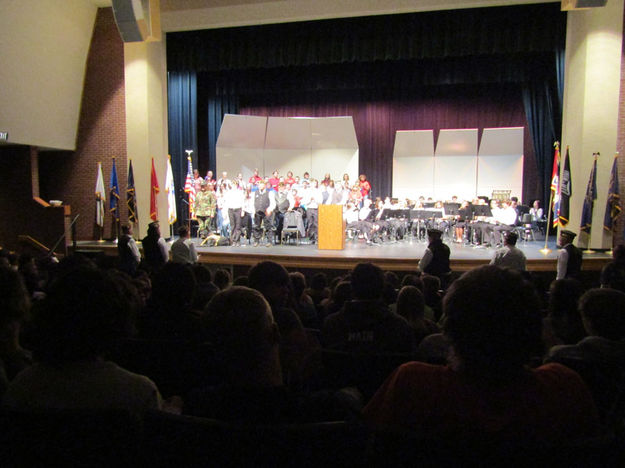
(515, 30)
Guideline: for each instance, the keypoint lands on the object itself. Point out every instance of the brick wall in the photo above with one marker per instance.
(620, 142)
(71, 176)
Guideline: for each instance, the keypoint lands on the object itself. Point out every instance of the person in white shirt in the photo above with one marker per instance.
(183, 249)
(509, 256)
(234, 200)
(129, 256)
(505, 220)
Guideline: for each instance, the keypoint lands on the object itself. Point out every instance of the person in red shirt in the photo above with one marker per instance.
(290, 180)
(487, 391)
(254, 180)
(274, 180)
(365, 186)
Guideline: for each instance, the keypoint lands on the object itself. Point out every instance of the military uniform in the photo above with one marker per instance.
(205, 208)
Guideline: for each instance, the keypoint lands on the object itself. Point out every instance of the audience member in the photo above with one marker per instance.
(170, 314)
(509, 256)
(411, 306)
(563, 324)
(600, 357)
(206, 289)
(318, 289)
(365, 324)
(14, 310)
(487, 391)
(246, 338)
(78, 322)
(223, 278)
(273, 282)
(304, 305)
(341, 293)
(183, 249)
(613, 274)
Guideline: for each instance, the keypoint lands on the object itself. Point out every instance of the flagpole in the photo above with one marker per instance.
(189, 153)
(546, 250)
(588, 249)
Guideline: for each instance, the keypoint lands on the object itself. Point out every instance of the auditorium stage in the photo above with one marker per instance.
(398, 256)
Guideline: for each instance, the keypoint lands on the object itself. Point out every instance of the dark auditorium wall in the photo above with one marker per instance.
(71, 176)
(21, 215)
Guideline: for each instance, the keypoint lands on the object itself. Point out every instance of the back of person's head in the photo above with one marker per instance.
(85, 312)
(14, 300)
(563, 297)
(222, 278)
(431, 289)
(389, 294)
(411, 303)
(298, 281)
(319, 281)
(341, 293)
(367, 281)
(412, 280)
(241, 280)
(201, 273)
(493, 321)
(603, 312)
(618, 254)
(391, 278)
(272, 280)
(183, 231)
(173, 288)
(126, 228)
(240, 324)
(511, 237)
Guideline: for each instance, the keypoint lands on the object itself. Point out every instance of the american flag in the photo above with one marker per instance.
(189, 187)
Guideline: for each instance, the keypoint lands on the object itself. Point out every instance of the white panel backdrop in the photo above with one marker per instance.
(413, 164)
(454, 167)
(314, 145)
(455, 164)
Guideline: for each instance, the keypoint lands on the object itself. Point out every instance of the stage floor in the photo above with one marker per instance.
(396, 256)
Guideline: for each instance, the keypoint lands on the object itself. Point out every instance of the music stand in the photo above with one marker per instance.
(451, 209)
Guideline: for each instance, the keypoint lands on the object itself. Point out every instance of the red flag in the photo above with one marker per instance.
(154, 189)
(555, 185)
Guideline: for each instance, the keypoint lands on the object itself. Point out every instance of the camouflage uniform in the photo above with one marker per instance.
(205, 208)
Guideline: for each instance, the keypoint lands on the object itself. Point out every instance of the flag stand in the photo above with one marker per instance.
(546, 250)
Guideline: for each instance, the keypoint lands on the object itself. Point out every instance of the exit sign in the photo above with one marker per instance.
(4, 136)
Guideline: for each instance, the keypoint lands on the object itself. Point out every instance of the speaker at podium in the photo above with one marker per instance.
(331, 227)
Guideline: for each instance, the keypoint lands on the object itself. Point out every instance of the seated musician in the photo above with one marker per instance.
(462, 218)
(505, 219)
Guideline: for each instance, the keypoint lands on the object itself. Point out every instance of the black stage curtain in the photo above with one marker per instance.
(477, 68)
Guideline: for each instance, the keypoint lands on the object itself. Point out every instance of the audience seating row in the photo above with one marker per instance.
(115, 438)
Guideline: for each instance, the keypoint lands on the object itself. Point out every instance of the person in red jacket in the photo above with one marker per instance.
(487, 391)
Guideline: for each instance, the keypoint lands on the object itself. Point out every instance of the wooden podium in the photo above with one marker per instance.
(331, 227)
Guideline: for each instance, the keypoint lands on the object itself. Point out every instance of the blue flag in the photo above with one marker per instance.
(589, 200)
(613, 205)
(114, 193)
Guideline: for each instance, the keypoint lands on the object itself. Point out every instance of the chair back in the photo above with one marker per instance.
(178, 440)
(526, 218)
(69, 438)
